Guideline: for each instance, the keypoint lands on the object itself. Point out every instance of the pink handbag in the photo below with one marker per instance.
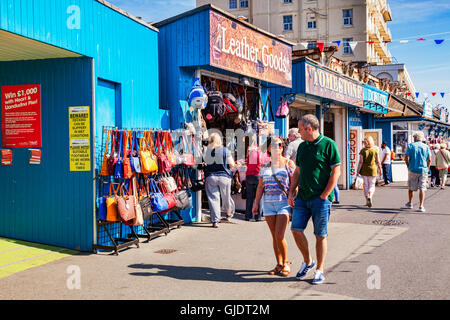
(283, 110)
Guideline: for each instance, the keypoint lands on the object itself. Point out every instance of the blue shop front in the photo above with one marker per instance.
(339, 102)
(210, 47)
(64, 77)
(403, 119)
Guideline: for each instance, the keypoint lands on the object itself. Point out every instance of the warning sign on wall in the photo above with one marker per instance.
(79, 138)
(21, 116)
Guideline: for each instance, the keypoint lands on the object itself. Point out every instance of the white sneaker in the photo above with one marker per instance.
(421, 209)
(409, 205)
(319, 277)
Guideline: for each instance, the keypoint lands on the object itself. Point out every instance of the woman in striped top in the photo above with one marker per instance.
(274, 181)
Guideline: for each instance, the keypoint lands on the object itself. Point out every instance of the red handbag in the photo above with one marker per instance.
(164, 164)
(113, 157)
(127, 172)
(170, 197)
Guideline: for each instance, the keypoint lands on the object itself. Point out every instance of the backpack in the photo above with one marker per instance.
(197, 96)
(392, 155)
(215, 106)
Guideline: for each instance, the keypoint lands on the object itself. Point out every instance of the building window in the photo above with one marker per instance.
(346, 45)
(287, 23)
(287, 1)
(312, 24)
(232, 4)
(244, 3)
(347, 14)
(312, 44)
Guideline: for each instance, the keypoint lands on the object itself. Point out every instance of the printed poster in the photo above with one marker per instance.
(21, 116)
(79, 138)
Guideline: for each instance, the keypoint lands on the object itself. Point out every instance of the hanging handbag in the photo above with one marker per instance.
(126, 206)
(118, 168)
(113, 155)
(164, 165)
(102, 209)
(159, 203)
(167, 142)
(112, 213)
(170, 198)
(283, 109)
(135, 162)
(139, 219)
(188, 154)
(169, 182)
(145, 201)
(148, 161)
(104, 170)
(127, 172)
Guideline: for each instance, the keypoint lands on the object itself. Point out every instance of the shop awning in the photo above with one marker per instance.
(14, 48)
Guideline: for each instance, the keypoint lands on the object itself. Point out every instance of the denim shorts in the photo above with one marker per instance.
(273, 208)
(318, 209)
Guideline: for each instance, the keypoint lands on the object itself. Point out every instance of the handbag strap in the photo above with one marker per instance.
(107, 142)
(115, 191)
(113, 146)
(120, 151)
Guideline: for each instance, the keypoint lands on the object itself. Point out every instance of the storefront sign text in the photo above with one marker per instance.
(428, 110)
(353, 153)
(375, 99)
(324, 83)
(239, 49)
(21, 116)
(79, 138)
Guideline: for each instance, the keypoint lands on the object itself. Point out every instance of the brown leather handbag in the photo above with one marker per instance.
(104, 170)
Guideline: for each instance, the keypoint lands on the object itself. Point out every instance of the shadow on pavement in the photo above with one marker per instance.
(207, 274)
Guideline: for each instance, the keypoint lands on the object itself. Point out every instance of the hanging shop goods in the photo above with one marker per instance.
(283, 109)
(197, 96)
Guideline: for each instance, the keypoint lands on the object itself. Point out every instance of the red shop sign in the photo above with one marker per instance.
(21, 116)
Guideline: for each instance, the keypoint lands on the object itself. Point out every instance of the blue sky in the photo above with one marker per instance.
(428, 63)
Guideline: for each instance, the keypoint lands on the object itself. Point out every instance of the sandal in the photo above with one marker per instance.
(276, 270)
(286, 270)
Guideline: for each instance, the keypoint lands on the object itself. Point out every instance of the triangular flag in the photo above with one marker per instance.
(408, 94)
(369, 42)
(304, 44)
(439, 41)
(386, 41)
(338, 42)
(417, 94)
(425, 95)
(320, 45)
(352, 45)
(442, 94)
(433, 94)
(404, 41)
(421, 39)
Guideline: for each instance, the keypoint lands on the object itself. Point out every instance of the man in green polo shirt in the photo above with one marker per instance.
(318, 170)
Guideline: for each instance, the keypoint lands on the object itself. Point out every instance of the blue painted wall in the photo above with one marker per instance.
(47, 203)
(124, 52)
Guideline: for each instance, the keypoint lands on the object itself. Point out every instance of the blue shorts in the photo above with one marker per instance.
(318, 209)
(274, 208)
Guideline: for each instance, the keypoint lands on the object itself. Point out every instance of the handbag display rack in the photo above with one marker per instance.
(132, 164)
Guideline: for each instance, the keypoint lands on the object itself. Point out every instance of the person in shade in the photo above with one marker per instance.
(368, 164)
(294, 142)
(385, 156)
(418, 161)
(254, 161)
(274, 182)
(443, 163)
(435, 180)
(318, 167)
(218, 176)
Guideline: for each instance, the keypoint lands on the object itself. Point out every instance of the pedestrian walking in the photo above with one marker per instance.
(435, 180)
(317, 171)
(442, 164)
(254, 161)
(368, 164)
(218, 175)
(274, 182)
(385, 157)
(294, 141)
(418, 160)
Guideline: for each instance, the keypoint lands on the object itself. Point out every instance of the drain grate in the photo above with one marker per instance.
(165, 251)
(389, 222)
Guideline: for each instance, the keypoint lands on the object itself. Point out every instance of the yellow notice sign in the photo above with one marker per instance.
(80, 139)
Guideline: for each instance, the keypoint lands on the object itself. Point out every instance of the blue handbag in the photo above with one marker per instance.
(134, 156)
(102, 204)
(159, 203)
(118, 169)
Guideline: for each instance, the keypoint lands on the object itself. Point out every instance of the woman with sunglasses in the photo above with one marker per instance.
(274, 181)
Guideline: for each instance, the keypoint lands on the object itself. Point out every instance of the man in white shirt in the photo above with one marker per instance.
(294, 142)
(385, 156)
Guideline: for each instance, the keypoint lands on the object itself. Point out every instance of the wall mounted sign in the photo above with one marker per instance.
(326, 84)
(375, 99)
(21, 116)
(80, 139)
(35, 156)
(6, 157)
(354, 142)
(237, 48)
